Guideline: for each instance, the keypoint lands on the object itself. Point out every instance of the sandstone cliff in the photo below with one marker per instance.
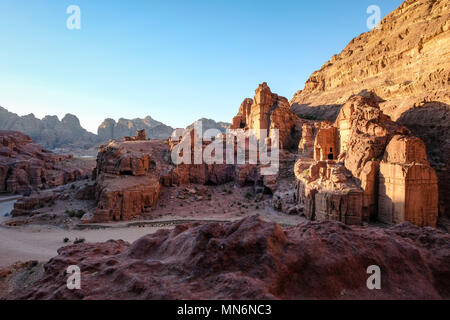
(365, 166)
(267, 111)
(406, 61)
(25, 166)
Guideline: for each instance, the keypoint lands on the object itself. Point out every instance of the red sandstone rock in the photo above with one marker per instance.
(269, 111)
(408, 189)
(128, 178)
(25, 166)
(360, 137)
(405, 62)
(401, 61)
(25, 205)
(252, 259)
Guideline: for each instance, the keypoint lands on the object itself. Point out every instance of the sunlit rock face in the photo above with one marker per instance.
(128, 178)
(268, 111)
(408, 189)
(365, 166)
(328, 191)
(406, 62)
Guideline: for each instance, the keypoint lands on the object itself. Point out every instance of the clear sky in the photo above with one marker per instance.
(176, 61)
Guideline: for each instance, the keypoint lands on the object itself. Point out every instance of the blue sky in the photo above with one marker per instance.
(176, 61)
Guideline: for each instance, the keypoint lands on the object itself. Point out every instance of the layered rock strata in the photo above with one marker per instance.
(406, 62)
(268, 111)
(382, 169)
(25, 166)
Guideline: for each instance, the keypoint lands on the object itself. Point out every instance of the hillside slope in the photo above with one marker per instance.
(405, 61)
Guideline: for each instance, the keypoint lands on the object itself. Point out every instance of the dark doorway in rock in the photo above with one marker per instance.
(330, 156)
(267, 191)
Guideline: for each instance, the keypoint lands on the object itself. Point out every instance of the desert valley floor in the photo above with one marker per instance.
(24, 240)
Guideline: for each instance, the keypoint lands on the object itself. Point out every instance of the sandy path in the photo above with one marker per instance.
(41, 243)
(24, 244)
(32, 242)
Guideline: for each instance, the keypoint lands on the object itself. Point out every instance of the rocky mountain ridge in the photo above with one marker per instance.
(68, 134)
(50, 132)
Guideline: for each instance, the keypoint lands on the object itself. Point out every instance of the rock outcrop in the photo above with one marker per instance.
(408, 189)
(268, 111)
(25, 166)
(406, 63)
(381, 173)
(110, 129)
(131, 172)
(252, 259)
(128, 178)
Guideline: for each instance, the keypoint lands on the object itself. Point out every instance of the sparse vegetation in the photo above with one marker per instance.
(66, 240)
(248, 195)
(75, 213)
(79, 240)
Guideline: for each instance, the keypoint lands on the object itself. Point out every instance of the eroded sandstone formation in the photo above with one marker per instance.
(408, 189)
(131, 172)
(269, 111)
(252, 259)
(25, 166)
(381, 173)
(406, 63)
(128, 178)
